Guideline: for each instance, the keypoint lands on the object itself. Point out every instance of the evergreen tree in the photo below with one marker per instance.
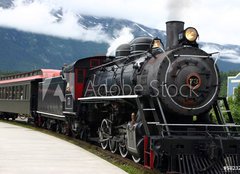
(234, 103)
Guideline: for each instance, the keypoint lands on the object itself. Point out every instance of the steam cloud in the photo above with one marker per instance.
(124, 36)
(39, 16)
(176, 8)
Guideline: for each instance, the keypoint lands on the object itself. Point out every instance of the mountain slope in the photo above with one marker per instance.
(228, 55)
(111, 25)
(21, 51)
(6, 3)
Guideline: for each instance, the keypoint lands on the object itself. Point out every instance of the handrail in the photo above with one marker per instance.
(196, 125)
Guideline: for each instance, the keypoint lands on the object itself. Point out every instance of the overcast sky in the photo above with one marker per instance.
(216, 20)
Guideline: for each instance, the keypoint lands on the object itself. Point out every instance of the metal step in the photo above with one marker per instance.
(226, 111)
(149, 109)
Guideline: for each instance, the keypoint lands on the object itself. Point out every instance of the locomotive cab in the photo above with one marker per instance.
(76, 75)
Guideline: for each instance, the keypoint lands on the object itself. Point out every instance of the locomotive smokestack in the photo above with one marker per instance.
(173, 29)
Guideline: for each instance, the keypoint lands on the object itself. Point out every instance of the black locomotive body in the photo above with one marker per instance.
(152, 102)
(170, 93)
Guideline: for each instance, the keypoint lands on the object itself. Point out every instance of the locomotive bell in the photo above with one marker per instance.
(173, 30)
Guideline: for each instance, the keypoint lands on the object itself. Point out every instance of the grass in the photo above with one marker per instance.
(125, 164)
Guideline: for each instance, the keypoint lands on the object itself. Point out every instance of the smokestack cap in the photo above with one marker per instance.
(175, 22)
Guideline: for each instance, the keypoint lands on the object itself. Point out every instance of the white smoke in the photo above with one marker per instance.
(176, 8)
(37, 17)
(210, 19)
(122, 36)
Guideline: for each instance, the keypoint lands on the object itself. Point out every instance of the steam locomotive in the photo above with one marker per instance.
(158, 104)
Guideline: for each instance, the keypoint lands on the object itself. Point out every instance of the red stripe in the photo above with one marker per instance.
(46, 73)
(22, 79)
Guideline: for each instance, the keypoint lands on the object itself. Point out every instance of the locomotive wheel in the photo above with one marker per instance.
(84, 134)
(42, 122)
(58, 128)
(75, 134)
(104, 144)
(123, 149)
(65, 129)
(7, 117)
(104, 130)
(22, 116)
(38, 121)
(136, 159)
(75, 129)
(113, 146)
(48, 124)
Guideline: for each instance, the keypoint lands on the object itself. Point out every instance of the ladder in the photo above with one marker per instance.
(153, 110)
(220, 112)
(148, 151)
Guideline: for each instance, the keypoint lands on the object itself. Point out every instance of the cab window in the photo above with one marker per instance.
(80, 76)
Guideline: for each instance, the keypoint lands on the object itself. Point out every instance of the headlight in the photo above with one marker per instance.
(191, 34)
